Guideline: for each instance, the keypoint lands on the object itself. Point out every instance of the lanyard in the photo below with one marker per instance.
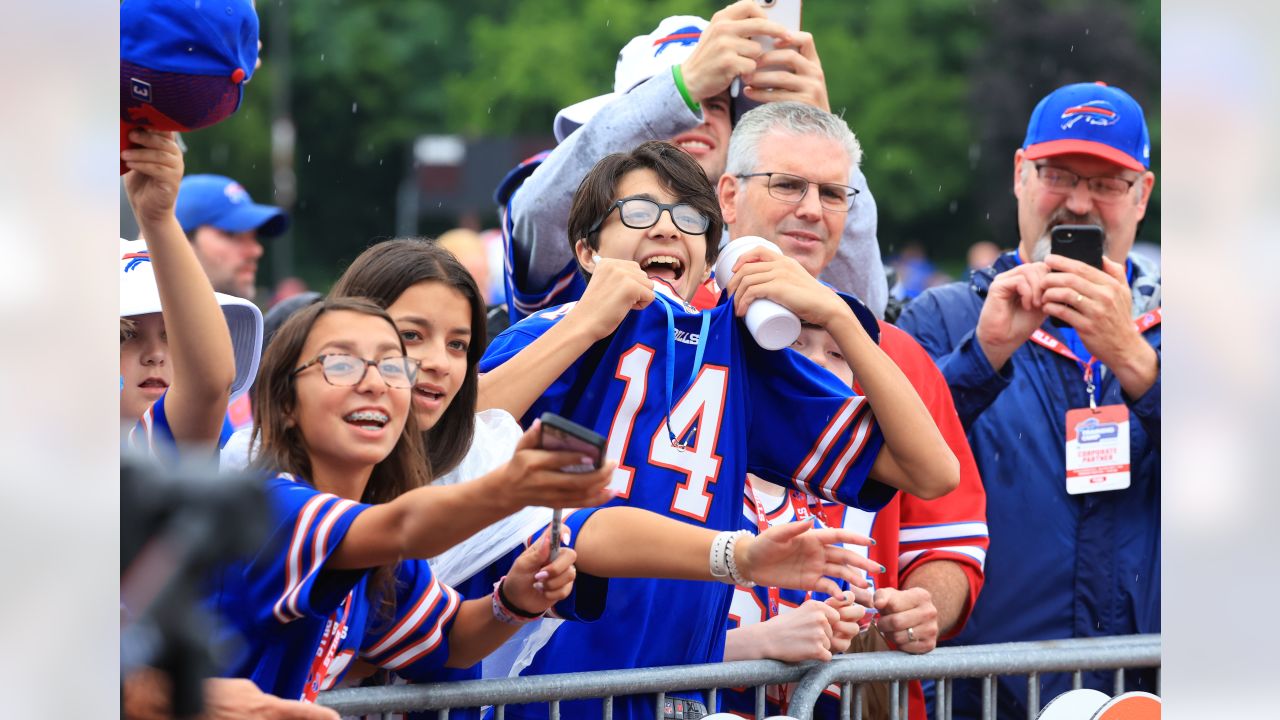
(1053, 344)
(671, 359)
(335, 631)
(804, 511)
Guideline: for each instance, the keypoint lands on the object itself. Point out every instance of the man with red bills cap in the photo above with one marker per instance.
(1064, 420)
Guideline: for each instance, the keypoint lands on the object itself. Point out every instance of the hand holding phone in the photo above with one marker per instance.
(1078, 242)
(559, 433)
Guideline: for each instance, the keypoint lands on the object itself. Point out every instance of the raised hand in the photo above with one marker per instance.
(1014, 308)
(791, 71)
(155, 173)
(535, 585)
(763, 273)
(726, 49)
(1098, 304)
(533, 476)
(617, 287)
(796, 555)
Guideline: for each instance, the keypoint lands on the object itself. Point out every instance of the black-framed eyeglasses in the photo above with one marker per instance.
(342, 370)
(793, 188)
(1105, 187)
(642, 213)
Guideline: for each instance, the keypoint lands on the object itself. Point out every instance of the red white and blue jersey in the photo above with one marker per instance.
(303, 624)
(734, 408)
(152, 435)
(567, 285)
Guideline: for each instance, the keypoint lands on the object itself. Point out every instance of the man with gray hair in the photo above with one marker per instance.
(672, 84)
(784, 181)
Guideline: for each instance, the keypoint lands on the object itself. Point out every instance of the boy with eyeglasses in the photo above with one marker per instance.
(1064, 422)
(690, 403)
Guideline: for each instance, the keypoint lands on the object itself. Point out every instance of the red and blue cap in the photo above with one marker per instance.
(225, 204)
(1090, 119)
(184, 63)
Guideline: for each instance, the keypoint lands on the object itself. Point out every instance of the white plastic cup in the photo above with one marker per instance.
(772, 325)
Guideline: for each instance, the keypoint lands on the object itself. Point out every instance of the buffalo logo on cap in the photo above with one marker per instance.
(235, 192)
(685, 36)
(1094, 112)
(135, 258)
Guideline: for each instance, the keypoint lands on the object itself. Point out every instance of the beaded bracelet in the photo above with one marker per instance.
(738, 579)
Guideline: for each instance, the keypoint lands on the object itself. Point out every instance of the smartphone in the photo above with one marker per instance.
(1078, 242)
(559, 433)
(787, 14)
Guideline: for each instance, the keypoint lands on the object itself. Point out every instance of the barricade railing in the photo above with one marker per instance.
(848, 671)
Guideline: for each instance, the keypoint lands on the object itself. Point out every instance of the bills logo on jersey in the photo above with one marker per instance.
(140, 90)
(135, 258)
(1094, 112)
(685, 36)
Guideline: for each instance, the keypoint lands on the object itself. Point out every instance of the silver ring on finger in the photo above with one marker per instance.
(911, 635)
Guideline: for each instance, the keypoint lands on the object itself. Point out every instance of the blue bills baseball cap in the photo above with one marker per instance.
(225, 204)
(1091, 119)
(184, 63)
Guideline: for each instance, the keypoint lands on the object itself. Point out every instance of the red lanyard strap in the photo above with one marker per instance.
(334, 632)
(1143, 323)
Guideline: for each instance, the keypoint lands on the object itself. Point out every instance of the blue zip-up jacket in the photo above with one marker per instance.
(1059, 565)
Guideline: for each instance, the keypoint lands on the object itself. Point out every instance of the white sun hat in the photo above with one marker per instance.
(139, 296)
(671, 43)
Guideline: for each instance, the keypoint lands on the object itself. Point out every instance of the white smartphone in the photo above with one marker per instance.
(784, 12)
(787, 14)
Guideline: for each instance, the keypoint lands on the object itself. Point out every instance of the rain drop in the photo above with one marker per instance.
(606, 22)
(1073, 49)
(1086, 31)
(379, 161)
(939, 188)
(353, 108)
(321, 57)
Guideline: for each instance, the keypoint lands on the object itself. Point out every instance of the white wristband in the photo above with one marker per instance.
(719, 566)
(738, 579)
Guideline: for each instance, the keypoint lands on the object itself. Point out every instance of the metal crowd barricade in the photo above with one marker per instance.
(848, 671)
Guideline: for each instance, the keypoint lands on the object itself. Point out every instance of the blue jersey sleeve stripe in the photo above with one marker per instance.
(413, 620)
(432, 641)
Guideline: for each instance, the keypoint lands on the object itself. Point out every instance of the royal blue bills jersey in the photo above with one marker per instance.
(302, 624)
(745, 409)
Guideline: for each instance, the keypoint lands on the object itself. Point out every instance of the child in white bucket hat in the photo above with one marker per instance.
(185, 351)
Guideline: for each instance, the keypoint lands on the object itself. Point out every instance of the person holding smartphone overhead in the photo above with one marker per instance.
(1064, 420)
(675, 83)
